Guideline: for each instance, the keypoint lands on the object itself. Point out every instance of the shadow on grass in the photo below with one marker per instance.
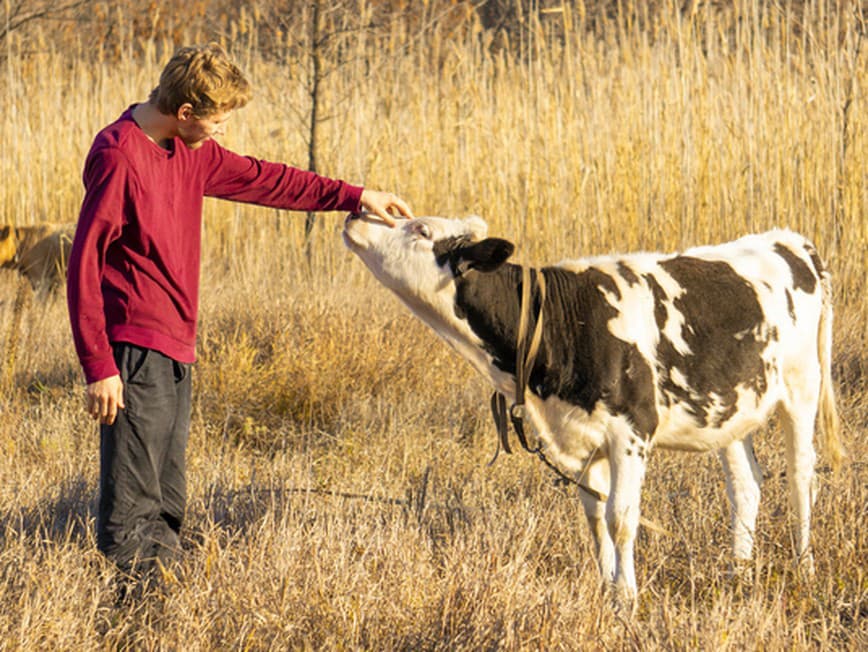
(66, 517)
(237, 510)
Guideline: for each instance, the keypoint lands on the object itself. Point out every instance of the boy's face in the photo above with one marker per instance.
(195, 131)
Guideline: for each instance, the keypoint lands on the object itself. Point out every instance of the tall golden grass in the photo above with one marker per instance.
(339, 496)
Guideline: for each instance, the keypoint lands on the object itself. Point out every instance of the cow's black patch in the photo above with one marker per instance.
(723, 329)
(819, 267)
(803, 278)
(659, 297)
(579, 360)
(602, 280)
(791, 307)
(628, 274)
(445, 247)
(463, 254)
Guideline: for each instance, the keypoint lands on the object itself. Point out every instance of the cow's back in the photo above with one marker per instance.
(722, 327)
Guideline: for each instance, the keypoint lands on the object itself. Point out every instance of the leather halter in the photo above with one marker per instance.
(525, 358)
(526, 352)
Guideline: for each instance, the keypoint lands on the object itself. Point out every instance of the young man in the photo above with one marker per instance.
(133, 283)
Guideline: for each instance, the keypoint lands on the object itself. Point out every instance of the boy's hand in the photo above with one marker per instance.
(383, 204)
(104, 398)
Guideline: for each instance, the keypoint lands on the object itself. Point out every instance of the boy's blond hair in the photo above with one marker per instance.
(204, 76)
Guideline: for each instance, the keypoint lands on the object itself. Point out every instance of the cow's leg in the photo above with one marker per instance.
(798, 422)
(627, 458)
(743, 480)
(596, 477)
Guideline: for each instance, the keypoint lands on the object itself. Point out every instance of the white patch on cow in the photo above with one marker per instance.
(634, 322)
(571, 436)
(678, 379)
(637, 300)
(674, 327)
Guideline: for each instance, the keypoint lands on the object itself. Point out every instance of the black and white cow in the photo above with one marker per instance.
(691, 351)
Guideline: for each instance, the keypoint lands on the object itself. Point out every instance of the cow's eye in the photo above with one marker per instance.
(424, 230)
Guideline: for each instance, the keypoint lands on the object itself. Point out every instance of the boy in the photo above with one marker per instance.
(133, 282)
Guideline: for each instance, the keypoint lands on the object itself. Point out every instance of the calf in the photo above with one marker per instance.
(692, 351)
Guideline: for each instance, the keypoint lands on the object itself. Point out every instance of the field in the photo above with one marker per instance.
(339, 493)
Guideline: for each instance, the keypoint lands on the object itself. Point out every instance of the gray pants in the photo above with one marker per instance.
(142, 461)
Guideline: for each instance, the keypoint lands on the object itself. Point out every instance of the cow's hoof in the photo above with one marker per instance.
(741, 571)
(624, 601)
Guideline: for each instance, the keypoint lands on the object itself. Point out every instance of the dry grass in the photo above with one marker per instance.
(339, 493)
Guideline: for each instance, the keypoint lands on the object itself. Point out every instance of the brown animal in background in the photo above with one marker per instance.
(37, 252)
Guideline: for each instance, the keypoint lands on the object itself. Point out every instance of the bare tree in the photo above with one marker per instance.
(320, 47)
(318, 38)
(17, 14)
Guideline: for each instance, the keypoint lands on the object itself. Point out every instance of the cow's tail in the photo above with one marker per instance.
(828, 419)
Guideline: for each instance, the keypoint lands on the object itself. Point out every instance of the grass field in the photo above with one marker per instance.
(339, 496)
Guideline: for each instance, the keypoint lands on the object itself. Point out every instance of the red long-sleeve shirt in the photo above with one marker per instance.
(134, 265)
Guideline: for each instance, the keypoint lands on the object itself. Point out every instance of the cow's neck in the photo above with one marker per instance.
(578, 357)
(490, 303)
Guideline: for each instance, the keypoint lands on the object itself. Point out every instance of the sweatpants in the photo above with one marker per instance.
(142, 490)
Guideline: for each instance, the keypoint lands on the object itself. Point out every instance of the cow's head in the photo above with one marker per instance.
(419, 258)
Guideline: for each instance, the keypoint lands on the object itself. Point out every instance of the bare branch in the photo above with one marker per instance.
(19, 13)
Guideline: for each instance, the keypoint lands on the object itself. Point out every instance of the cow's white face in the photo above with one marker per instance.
(423, 261)
(404, 257)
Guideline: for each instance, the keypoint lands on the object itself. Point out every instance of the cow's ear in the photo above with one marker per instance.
(485, 256)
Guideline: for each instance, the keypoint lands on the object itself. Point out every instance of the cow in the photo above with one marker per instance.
(38, 253)
(607, 358)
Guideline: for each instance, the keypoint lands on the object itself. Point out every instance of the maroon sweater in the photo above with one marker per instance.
(134, 266)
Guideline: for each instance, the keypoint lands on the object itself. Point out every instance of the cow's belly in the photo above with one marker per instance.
(680, 430)
(572, 436)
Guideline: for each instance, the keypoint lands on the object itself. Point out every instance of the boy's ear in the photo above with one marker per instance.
(185, 112)
(484, 256)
